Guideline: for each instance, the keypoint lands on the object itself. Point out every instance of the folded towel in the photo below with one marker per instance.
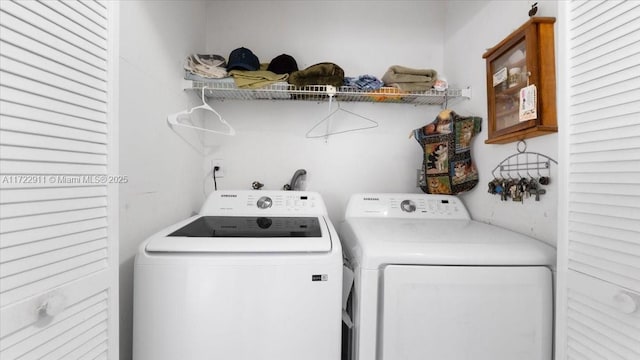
(318, 74)
(400, 74)
(256, 79)
(408, 86)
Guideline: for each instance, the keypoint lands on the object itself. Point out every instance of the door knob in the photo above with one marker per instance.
(626, 301)
(53, 304)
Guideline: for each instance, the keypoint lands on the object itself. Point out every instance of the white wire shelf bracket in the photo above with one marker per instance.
(284, 91)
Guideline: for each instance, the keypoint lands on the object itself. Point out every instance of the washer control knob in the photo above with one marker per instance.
(264, 202)
(408, 206)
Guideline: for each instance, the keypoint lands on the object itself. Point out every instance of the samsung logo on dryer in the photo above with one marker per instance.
(229, 195)
(371, 199)
(319, 277)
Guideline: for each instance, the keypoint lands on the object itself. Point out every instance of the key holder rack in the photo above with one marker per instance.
(521, 175)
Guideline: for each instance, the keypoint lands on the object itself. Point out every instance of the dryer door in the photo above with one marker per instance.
(466, 312)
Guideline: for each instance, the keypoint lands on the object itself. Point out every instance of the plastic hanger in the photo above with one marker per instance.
(173, 118)
(331, 91)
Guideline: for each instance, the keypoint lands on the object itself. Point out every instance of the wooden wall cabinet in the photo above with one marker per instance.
(524, 57)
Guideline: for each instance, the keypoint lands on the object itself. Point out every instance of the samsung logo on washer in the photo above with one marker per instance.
(229, 195)
(371, 199)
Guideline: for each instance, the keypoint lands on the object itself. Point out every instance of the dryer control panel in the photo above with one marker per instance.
(410, 206)
(258, 202)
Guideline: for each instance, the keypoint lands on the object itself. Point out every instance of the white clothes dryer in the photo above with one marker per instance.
(431, 283)
(256, 275)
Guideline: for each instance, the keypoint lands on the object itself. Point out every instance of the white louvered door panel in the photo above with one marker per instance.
(602, 295)
(58, 244)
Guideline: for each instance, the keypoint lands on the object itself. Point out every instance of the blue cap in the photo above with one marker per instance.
(243, 58)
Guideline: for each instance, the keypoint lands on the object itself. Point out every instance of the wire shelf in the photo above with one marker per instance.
(225, 90)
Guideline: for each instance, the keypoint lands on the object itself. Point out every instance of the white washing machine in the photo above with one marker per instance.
(430, 283)
(256, 275)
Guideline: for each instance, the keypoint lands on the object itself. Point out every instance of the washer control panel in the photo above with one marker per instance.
(425, 206)
(263, 202)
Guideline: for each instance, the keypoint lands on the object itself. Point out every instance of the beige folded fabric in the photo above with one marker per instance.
(400, 74)
(419, 86)
(245, 79)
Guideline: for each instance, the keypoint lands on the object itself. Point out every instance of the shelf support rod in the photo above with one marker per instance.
(331, 91)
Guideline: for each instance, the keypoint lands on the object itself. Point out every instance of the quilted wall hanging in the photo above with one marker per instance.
(447, 167)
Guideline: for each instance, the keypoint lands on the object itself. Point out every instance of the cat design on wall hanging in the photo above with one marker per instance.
(447, 167)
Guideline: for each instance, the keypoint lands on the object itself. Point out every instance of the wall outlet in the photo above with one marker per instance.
(219, 163)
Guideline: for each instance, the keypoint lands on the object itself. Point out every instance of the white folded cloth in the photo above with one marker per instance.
(208, 66)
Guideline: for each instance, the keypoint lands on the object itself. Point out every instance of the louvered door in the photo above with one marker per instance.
(600, 271)
(58, 255)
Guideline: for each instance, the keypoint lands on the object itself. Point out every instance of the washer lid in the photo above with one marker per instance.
(244, 234)
(377, 242)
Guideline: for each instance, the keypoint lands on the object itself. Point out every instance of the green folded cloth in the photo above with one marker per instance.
(246, 79)
(318, 74)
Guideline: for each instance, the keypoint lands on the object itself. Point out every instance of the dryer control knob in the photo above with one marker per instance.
(408, 206)
(264, 202)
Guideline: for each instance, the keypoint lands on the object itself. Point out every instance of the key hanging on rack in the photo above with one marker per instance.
(519, 176)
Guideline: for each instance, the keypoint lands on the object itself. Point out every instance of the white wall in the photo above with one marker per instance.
(162, 168)
(368, 37)
(165, 167)
(361, 37)
(472, 28)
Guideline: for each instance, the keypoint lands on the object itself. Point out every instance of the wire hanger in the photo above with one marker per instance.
(173, 118)
(331, 91)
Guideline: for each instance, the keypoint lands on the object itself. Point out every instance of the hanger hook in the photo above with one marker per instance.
(528, 167)
(202, 95)
(538, 165)
(518, 166)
